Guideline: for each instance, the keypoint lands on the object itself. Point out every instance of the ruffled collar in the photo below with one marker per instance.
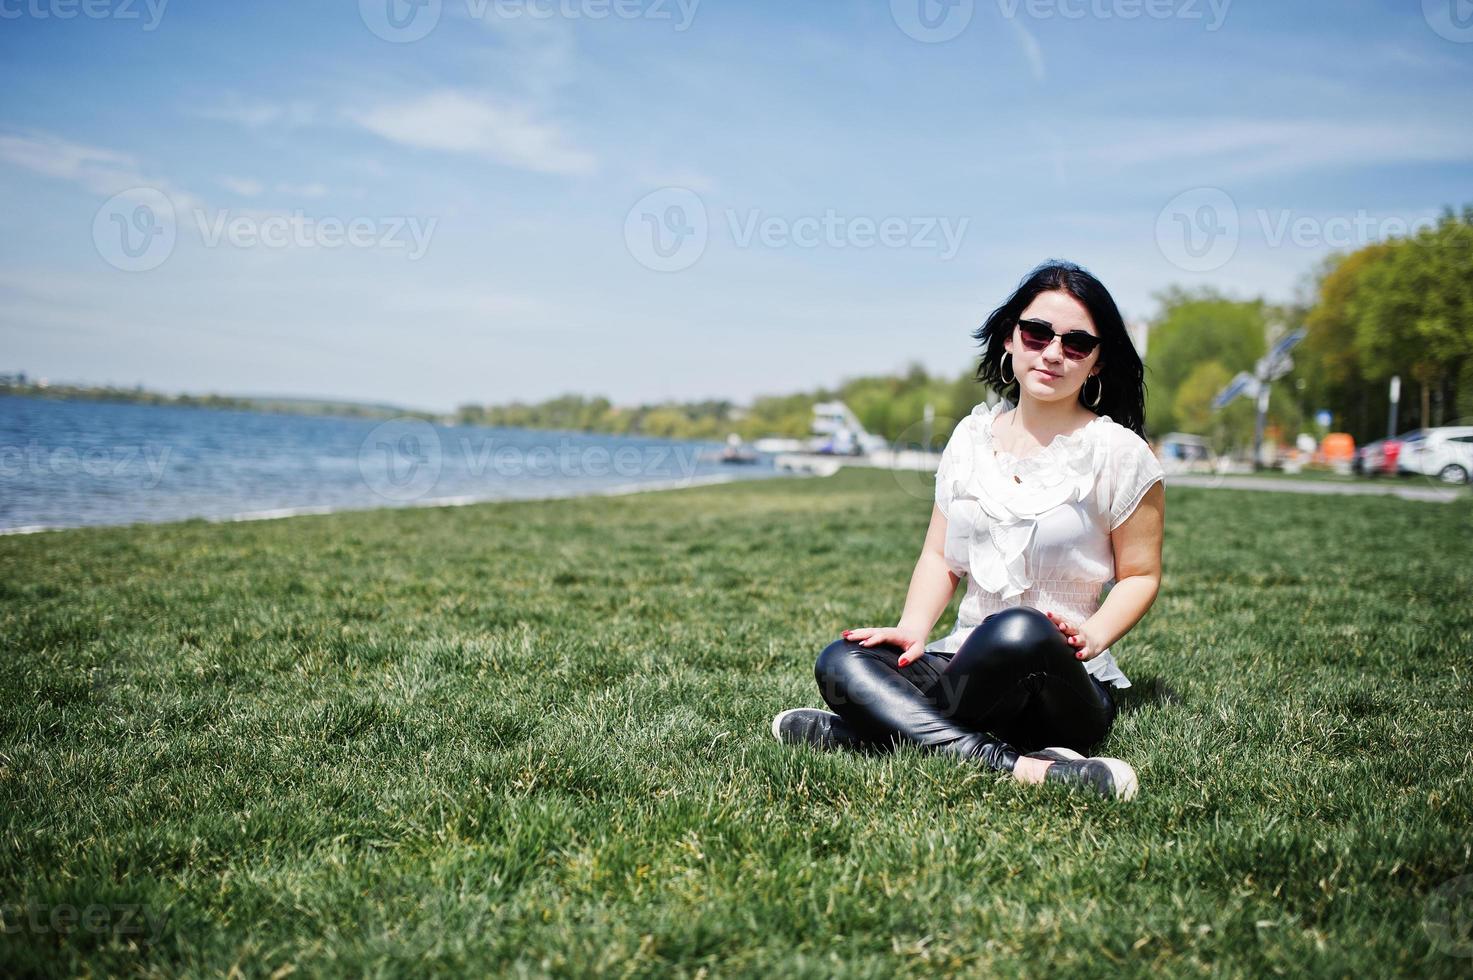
(999, 498)
(1062, 449)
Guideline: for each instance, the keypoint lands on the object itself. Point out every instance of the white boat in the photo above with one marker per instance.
(846, 436)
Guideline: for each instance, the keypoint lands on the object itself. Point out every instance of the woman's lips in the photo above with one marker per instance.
(1048, 374)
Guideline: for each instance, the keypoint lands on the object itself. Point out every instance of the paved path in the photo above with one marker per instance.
(1441, 495)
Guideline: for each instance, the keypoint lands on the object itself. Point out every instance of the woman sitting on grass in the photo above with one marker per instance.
(1040, 502)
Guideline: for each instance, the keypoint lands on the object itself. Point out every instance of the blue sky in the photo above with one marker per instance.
(654, 199)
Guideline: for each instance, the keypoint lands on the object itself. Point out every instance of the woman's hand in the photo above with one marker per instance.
(912, 643)
(1085, 647)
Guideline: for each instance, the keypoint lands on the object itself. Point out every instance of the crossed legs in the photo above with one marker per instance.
(1014, 686)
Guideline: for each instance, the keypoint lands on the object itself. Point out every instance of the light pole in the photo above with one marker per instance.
(1391, 412)
(1270, 367)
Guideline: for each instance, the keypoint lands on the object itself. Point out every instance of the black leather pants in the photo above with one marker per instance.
(1014, 686)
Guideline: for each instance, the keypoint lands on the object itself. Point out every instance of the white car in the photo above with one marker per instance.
(1446, 453)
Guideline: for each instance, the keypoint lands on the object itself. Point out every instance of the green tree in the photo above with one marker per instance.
(1192, 407)
(1413, 314)
(1400, 307)
(1191, 328)
(1330, 360)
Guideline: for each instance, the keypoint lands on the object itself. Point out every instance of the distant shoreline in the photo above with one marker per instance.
(461, 501)
(312, 407)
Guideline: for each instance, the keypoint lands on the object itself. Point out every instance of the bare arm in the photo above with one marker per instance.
(932, 585)
(1137, 545)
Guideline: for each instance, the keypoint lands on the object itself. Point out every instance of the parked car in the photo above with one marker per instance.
(1446, 453)
(1381, 456)
(1370, 458)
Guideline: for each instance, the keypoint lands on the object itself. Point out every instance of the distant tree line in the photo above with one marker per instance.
(892, 406)
(18, 384)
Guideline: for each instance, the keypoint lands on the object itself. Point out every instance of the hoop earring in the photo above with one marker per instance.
(1099, 391)
(1004, 364)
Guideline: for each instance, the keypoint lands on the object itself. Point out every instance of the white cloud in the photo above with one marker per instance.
(100, 171)
(1199, 151)
(533, 55)
(251, 187)
(690, 179)
(244, 186)
(313, 190)
(1031, 49)
(500, 130)
(55, 157)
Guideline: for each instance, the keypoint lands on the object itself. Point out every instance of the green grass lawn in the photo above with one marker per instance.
(532, 738)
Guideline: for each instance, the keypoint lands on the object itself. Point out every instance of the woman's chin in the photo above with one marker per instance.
(1044, 391)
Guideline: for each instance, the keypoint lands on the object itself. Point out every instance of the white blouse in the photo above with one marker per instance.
(1035, 531)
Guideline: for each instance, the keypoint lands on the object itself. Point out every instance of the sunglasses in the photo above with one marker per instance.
(1076, 343)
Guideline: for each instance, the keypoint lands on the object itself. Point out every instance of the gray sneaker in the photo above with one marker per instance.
(813, 726)
(1107, 777)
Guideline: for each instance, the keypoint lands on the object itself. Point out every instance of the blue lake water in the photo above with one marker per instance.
(74, 463)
